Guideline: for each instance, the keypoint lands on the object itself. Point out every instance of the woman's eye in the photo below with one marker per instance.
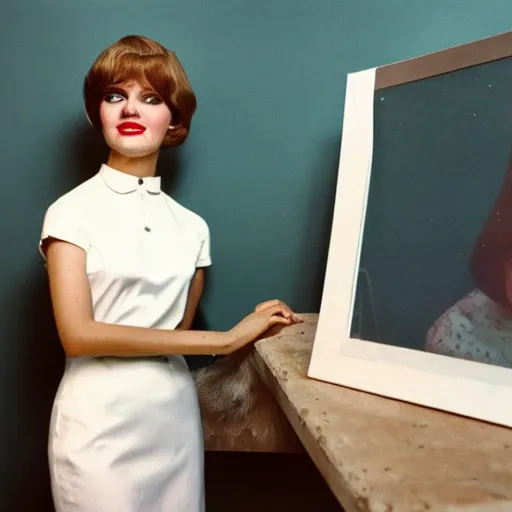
(153, 100)
(113, 98)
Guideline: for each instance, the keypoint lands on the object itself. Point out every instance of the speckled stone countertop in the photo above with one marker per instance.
(382, 455)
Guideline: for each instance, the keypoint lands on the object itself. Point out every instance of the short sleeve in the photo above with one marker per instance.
(204, 258)
(65, 220)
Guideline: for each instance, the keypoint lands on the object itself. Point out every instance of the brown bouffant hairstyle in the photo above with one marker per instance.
(148, 62)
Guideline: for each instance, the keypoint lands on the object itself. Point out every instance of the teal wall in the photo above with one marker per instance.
(260, 164)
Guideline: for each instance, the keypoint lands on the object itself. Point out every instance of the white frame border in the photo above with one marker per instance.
(463, 387)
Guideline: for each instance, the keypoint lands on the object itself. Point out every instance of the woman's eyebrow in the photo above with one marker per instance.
(149, 89)
(114, 88)
(119, 89)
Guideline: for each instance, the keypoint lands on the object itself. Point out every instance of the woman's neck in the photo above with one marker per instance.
(144, 166)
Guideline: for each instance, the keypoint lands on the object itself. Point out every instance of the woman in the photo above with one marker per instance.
(125, 265)
(479, 326)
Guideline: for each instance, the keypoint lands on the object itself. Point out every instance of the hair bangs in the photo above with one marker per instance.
(151, 71)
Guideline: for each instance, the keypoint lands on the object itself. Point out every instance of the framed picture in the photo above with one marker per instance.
(415, 304)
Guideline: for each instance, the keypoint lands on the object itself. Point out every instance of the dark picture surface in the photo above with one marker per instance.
(438, 236)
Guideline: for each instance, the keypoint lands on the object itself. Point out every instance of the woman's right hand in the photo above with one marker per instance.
(265, 316)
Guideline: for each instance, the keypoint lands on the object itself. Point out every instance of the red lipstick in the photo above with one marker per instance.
(130, 128)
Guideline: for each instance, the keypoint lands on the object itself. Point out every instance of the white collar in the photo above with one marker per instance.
(123, 183)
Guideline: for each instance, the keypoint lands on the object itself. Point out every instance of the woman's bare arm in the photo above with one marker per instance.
(81, 335)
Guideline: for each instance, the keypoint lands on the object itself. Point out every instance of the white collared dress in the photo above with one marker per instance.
(125, 433)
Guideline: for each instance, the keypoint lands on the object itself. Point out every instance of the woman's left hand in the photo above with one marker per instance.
(275, 329)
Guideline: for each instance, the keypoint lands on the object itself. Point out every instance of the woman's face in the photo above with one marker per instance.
(134, 119)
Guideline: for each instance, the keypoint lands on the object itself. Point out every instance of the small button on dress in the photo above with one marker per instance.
(125, 433)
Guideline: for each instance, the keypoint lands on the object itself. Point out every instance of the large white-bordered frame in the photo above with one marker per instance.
(468, 388)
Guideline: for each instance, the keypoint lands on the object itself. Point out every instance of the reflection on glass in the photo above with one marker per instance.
(437, 239)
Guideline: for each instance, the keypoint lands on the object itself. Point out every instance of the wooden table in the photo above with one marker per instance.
(382, 455)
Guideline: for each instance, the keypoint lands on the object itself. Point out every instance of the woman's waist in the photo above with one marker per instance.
(125, 360)
(99, 368)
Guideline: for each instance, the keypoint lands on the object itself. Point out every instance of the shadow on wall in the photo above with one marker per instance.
(317, 225)
(38, 370)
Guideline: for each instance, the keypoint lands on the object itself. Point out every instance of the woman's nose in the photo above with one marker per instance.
(129, 108)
